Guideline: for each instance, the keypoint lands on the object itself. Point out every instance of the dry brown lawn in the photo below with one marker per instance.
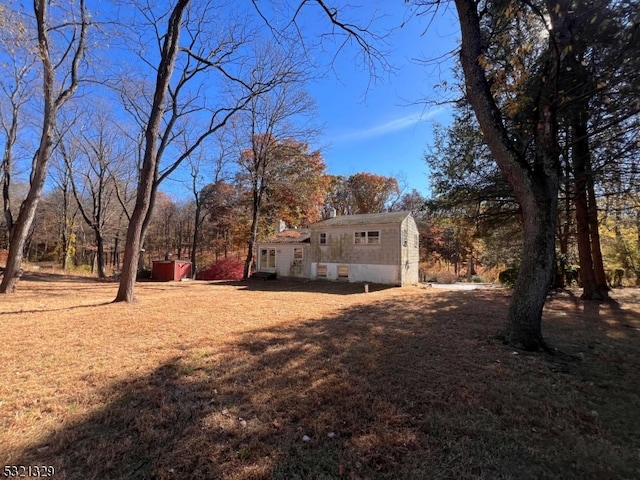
(270, 379)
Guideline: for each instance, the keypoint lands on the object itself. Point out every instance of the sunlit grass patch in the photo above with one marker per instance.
(276, 380)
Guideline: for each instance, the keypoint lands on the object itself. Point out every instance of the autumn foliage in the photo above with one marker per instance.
(223, 269)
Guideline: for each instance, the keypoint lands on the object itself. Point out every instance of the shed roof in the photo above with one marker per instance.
(363, 219)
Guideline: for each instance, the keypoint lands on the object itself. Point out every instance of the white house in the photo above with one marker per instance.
(286, 254)
(378, 248)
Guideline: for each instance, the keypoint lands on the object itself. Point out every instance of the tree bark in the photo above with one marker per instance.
(596, 249)
(27, 212)
(524, 321)
(253, 236)
(100, 260)
(594, 285)
(196, 237)
(51, 104)
(535, 186)
(7, 164)
(146, 181)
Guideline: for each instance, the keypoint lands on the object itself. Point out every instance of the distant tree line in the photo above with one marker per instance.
(98, 109)
(543, 151)
(62, 236)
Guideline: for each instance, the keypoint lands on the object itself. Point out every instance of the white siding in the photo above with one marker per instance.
(286, 264)
(385, 274)
(391, 257)
(409, 253)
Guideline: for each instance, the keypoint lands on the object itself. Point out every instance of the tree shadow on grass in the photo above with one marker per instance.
(302, 285)
(61, 309)
(387, 390)
(62, 277)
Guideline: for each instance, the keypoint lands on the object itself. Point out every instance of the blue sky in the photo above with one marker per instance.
(378, 121)
(383, 126)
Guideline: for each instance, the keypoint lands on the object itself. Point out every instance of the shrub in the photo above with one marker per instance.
(446, 277)
(508, 277)
(431, 277)
(478, 279)
(224, 269)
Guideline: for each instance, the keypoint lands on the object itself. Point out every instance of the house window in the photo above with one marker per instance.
(415, 240)
(323, 238)
(405, 238)
(322, 270)
(267, 258)
(297, 253)
(343, 271)
(370, 237)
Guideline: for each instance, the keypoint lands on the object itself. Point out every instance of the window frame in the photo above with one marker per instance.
(265, 257)
(366, 237)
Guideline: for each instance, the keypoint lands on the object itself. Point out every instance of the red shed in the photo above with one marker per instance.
(168, 270)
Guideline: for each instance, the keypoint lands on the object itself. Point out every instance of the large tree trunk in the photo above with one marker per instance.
(7, 164)
(100, 253)
(27, 212)
(25, 218)
(596, 249)
(51, 104)
(524, 327)
(535, 186)
(197, 226)
(594, 285)
(253, 236)
(146, 181)
(587, 275)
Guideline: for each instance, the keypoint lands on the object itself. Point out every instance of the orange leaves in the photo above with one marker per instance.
(370, 192)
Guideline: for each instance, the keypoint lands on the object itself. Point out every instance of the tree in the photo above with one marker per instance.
(165, 235)
(94, 158)
(515, 58)
(600, 72)
(273, 171)
(587, 114)
(16, 85)
(534, 177)
(503, 97)
(61, 178)
(361, 193)
(220, 202)
(369, 193)
(337, 196)
(296, 195)
(148, 168)
(210, 56)
(270, 129)
(202, 195)
(72, 35)
(471, 199)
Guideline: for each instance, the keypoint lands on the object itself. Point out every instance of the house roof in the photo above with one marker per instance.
(363, 219)
(289, 236)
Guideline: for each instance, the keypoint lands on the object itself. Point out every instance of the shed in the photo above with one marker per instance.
(168, 270)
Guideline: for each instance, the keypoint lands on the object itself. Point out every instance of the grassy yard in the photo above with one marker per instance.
(279, 380)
